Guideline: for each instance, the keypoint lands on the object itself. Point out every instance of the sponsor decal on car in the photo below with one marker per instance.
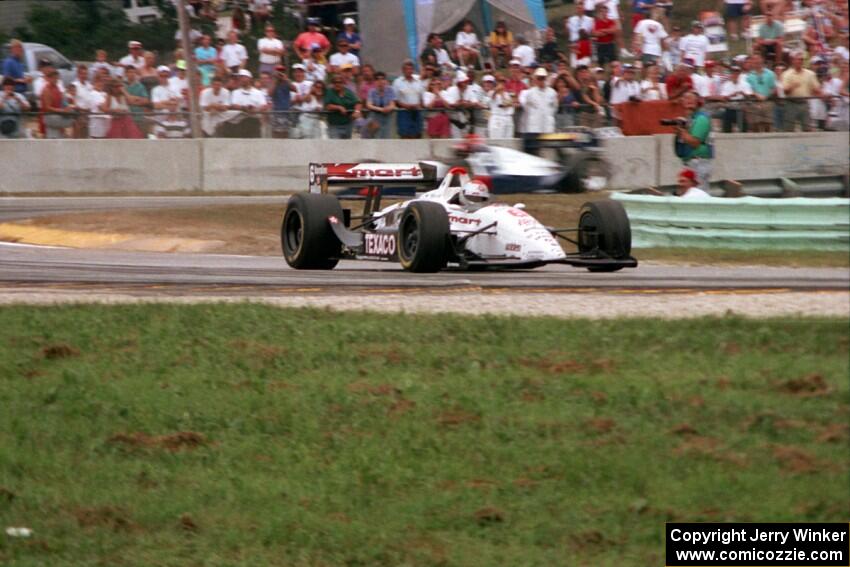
(374, 171)
(513, 247)
(379, 244)
(464, 220)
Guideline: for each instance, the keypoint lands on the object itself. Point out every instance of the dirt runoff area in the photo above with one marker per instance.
(245, 229)
(254, 230)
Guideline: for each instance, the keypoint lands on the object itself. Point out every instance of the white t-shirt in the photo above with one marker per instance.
(408, 91)
(842, 51)
(695, 193)
(302, 89)
(694, 47)
(703, 85)
(98, 125)
(137, 62)
(251, 97)
(653, 92)
(269, 43)
(622, 90)
(577, 23)
(209, 97)
(83, 90)
(317, 73)
(164, 94)
(234, 54)
(340, 59)
(464, 39)
(525, 54)
(652, 33)
(540, 106)
(496, 100)
(736, 90)
(177, 84)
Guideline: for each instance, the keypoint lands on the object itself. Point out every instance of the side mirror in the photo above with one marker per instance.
(520, 206)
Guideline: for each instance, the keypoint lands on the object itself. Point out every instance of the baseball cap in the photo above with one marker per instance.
(817, 59)
(629, 67)
(688, 173)
(132, 44)
(540, 72)
(598, 70)
(696, 24)
(515, 62)
(163, 69)
(490, 78)
(735, 68)
(710, 63)
(299, 66)
(280, 68)
(461, 77)
(245, 73)
(181, 64)
(349, 22)
(345, 66)
(314, 21)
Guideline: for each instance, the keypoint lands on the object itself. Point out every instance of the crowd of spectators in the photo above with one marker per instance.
(498, 84)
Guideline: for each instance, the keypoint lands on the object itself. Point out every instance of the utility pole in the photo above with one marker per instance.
(191, 68)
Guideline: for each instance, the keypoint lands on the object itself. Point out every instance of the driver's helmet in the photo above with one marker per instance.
(474, 195)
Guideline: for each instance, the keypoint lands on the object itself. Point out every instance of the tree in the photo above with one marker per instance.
(89, 25)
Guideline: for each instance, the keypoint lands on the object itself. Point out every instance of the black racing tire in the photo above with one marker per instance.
(306, 237)
(423, 237)
(604, 229)
(575, 179)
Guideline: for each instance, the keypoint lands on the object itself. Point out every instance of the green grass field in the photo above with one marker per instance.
(248, 435)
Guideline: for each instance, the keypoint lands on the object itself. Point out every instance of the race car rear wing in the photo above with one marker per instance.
(421, 175)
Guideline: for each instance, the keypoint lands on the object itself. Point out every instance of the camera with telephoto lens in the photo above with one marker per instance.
(680, 122)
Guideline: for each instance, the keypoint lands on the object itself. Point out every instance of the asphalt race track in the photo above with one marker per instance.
(22, 264)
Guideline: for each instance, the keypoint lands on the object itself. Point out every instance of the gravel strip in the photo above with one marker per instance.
(562, 305)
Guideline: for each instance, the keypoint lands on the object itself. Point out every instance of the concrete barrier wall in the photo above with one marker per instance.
(281, 165)
(42, 166)
(759, 156)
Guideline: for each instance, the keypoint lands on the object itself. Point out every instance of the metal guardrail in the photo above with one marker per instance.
(747, 223)
(741, 114)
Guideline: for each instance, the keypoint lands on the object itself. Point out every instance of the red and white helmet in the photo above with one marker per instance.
(474, 195)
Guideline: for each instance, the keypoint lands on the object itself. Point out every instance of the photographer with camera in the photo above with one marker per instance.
(12, 105)
(693, 139)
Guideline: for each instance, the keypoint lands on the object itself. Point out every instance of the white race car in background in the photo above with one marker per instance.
(437, 230)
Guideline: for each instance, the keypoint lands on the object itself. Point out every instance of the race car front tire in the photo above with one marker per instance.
(306, 237)
(604, 230)
(423, 237)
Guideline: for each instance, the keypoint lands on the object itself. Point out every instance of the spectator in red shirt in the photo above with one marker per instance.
(515, 84)
(679, 82)
(55, 107)
(604, 35)
(310, 39)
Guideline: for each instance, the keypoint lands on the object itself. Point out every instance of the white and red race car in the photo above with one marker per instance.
(440, 228)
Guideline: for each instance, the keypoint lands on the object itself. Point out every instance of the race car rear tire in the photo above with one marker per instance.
(423, 237)
(604, 230)
(306, 237)
(576, 180)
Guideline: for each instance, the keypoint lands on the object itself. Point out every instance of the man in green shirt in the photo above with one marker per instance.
(343, 107)
(693, 140)
(770, 38)
(137, 97)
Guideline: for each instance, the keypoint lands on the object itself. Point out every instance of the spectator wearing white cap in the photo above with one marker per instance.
(163, 95)
(233, 54)
(523, 52)
(466, 98)
(249, 101)
(301, 84)
(135, 57)
(344, 57)
(694, 46)
(502, 103)
(349, 34)
(627, 87)
(270, 49)
(539, 103)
